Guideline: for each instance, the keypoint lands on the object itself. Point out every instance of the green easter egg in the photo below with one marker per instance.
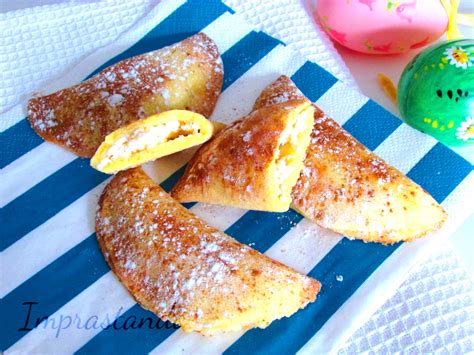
(436, 92)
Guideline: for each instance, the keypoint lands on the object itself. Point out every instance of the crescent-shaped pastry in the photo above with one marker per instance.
(151, 138)
(253, 163)
(347, 188)
(186, 271)
(187, 75)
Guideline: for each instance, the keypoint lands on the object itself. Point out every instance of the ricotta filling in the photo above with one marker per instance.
(287, 152)
(147, 138)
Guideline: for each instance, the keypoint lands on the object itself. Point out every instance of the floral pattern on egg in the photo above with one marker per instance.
(466, 129)
(436, 92)
(459, 57)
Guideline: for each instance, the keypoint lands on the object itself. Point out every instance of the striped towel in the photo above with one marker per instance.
(51, 264)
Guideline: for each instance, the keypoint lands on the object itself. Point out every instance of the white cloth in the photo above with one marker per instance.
(432, 311)
(288, 21)
(39, 44)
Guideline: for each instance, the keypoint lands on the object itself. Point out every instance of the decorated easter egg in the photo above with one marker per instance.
(382, 26)
(436, 92)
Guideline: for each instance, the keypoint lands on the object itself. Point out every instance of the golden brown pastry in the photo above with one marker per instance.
(151, 138)
(254, 162)
(186, 271)
(347, 188)
(187, 75)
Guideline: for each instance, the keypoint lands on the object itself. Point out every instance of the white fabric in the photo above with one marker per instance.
(431, 311)
(288, 21)
(40, 43)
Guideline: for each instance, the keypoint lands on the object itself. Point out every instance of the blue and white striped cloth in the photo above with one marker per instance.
(50, 261)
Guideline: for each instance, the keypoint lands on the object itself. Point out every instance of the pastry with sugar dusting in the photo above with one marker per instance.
(186, 271)
(151, 138)
(254, 162)
(187, 75)
(348, 189)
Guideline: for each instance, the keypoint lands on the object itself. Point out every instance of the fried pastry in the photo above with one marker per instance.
(151, 138)
(348, 189)
(254, 162)
(186, 271)
(187, 75)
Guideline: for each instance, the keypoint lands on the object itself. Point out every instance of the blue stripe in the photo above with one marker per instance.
(313, 80)
(61, 280)
(242, 56)
(168, 184)
(440, 171)
(119, 341)
(47, 198)
(263, 228)
(271, 228)
(185, 21)
(72, 181)
(372, 124)
(16, 141)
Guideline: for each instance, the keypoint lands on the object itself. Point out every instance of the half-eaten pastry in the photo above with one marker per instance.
(151, 138)
(186, 271)
(187, 75)
(348, 189)
(254, 163)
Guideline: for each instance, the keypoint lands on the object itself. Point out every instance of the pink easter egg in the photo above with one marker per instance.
(382, 26)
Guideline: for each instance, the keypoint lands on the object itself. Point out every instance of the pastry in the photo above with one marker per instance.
(187, 75)
(151, 138)
(186, 271)
(254, 162)
(348, 189)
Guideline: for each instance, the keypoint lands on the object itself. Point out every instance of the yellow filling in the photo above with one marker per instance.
(151, 138)
(146, 138)
(292, 149)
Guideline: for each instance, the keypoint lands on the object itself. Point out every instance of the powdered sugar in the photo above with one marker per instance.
(130, 265)
(115, 99)
(81, 116)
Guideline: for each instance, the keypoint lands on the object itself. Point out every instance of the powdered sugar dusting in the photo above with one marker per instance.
(281, 90)
(343, 183)
(115, 99)
(81, 116)
(177, 265)
(191, 256)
